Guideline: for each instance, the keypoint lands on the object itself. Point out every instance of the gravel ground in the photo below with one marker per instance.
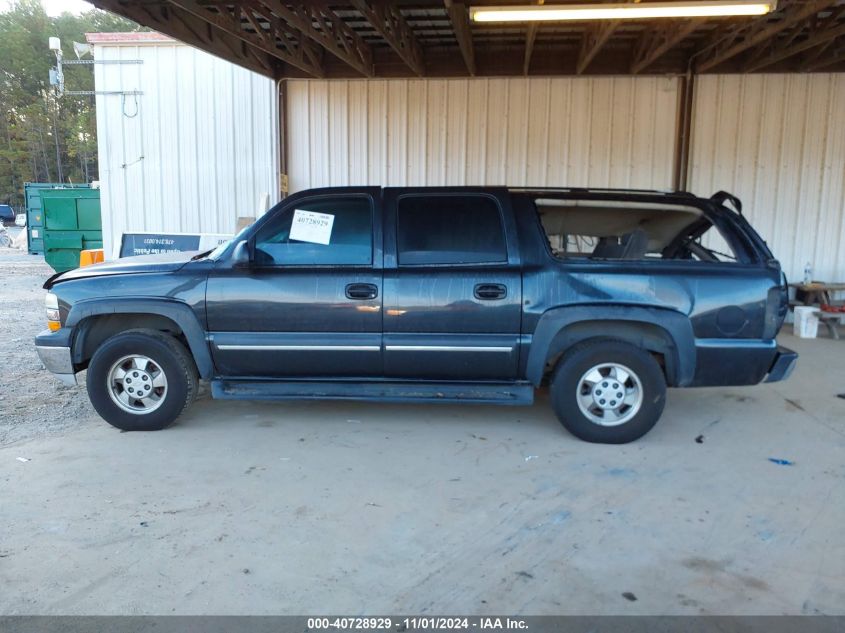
(32, 402)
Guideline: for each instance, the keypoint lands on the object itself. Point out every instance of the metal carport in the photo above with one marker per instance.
(413, 93)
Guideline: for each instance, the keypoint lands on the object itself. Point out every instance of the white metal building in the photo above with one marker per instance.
(192, 153)
(594, 131)
(201, 145)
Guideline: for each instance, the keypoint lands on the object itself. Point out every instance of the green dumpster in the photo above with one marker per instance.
(71, 223)
(35, 213)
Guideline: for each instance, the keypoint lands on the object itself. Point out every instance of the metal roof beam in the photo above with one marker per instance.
(318, 22)
(777, 42)
(809, 60)
(828, 31)
(387, 20)
(231, 23)
(530, 37)
(653, 44)
(761, 30)
(182, 26)
(236, 47)
(823, 61)
(459, 16)
(592, 41)
(292, 40)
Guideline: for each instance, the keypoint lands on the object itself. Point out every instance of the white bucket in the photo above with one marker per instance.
(806, 323)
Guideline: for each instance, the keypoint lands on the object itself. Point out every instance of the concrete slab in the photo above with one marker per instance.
(308, 508)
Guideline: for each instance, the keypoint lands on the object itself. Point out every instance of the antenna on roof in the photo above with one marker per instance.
(57, 75)
(81, 49)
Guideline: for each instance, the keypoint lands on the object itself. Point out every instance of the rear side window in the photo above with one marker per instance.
(450, 230)
(609, 229)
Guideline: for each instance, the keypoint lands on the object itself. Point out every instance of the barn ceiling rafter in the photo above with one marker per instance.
(594, 37)
(655, 43)
(823, 62)
(387, 20)
(800, 39)
(437, 38)
(459, 18)
(761, 31)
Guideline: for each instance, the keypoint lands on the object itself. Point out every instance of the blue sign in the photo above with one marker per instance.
(156, 243)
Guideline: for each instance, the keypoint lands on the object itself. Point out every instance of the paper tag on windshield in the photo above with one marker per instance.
(309, 226)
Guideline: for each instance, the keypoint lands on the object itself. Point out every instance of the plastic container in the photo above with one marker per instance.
(90, 256)
(806, 323)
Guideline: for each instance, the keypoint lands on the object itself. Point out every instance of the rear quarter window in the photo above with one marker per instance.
(621, 230)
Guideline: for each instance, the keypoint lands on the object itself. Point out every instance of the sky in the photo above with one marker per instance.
(55, 7)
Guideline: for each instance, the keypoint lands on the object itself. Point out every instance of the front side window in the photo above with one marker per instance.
(449, 230)
(331, 230)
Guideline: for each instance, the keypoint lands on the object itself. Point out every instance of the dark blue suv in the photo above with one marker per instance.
(7, 214)
(450, 294)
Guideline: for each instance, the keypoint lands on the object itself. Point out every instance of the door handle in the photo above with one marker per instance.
(489, 292)
(361, 292)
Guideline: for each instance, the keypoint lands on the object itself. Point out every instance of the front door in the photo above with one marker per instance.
(452, 286)
(309, 304)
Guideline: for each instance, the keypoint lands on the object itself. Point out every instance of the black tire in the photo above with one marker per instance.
(164, 351)
(566, 385)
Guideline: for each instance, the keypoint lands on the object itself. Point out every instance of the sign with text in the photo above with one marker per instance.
(310, 226)
(132, 244)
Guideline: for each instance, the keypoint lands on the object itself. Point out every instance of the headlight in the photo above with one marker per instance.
(51, 304)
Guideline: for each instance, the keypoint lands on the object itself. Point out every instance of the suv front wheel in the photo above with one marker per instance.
(141, 380)
(608, 391)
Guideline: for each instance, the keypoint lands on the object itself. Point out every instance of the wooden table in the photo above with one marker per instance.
(816, 291)
(830, 320)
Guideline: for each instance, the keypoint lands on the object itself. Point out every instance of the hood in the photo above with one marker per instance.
(162, 263)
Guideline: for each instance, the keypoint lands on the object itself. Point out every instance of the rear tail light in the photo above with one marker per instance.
(777, 305)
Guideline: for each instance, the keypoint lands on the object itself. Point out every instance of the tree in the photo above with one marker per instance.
(43, 137)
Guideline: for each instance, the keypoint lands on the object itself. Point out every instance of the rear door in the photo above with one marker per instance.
(452, 285)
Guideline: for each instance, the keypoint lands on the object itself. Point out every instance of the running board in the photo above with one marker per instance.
(520, 393)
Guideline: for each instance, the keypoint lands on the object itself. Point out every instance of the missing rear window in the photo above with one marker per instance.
(598, 229)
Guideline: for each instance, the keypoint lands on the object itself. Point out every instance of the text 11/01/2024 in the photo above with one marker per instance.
(430, 623)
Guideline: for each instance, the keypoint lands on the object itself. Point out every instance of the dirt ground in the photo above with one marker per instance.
(733, 504)
(31, 402)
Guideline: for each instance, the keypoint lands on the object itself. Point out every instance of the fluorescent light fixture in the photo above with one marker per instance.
(620, 11)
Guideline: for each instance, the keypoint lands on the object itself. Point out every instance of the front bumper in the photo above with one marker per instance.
(54, 351)
(783, 365)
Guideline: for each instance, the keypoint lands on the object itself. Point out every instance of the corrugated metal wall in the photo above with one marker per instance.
(616, 132)
(195, 151)
(199, 147)
(778, 142)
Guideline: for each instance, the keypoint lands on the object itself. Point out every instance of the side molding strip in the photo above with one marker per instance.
(735, 343)
(367, 348)
(303, 348)
(446, 348)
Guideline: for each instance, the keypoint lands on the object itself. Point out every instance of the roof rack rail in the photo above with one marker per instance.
(662, 192)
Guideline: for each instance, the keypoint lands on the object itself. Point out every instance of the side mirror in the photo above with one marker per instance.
(240, 256)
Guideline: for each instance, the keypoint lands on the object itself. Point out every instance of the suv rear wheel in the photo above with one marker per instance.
(141, 380)
(608, 391)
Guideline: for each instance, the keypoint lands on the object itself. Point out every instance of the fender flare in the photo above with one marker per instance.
(179, 313)
(666, 331)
